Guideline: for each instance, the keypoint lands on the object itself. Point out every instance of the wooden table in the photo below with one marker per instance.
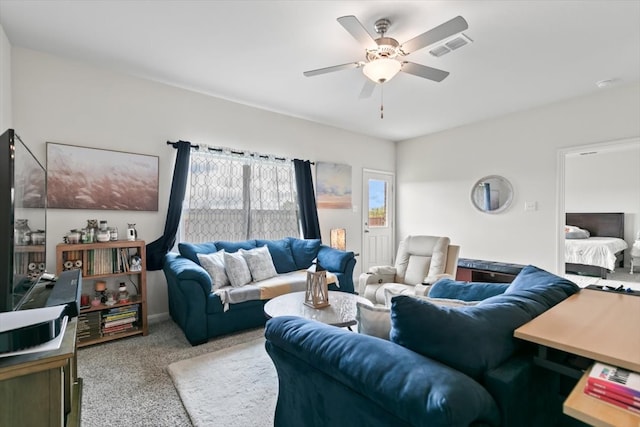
(341, 311)
(603, 326)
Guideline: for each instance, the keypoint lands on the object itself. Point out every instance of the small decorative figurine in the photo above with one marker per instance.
(132, 233)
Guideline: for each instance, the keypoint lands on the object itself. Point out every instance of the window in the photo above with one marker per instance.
(233, 197)
(377, 203)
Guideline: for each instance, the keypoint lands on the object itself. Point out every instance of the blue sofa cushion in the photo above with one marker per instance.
(478, 338)
(334, 260)
(465, 291)
(421, 391)
(191, 250)
(304, 251)
(538, 285)
(235, 246)
(469, 339)
(281, 254)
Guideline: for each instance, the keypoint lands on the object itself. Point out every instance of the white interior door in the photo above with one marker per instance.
(377, 219)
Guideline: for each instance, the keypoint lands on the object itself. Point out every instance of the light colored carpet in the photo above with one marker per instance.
(233, 387)
(126, 381)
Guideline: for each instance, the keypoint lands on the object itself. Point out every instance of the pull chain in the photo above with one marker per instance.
(381, 102)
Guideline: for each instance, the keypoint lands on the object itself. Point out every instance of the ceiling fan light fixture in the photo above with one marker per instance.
(381, 70)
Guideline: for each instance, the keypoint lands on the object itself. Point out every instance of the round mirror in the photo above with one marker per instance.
(492, 194)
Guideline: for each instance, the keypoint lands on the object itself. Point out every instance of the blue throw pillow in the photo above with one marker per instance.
(191, 250)
(281, 254)
(470, 339)
(465, 291)
(235, 246)
(304, 251)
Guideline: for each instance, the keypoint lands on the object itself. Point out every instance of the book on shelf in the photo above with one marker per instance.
(116, 316)
(612, 401)
(120, 322)
(118, 330)
(614, 379)
(589, 389)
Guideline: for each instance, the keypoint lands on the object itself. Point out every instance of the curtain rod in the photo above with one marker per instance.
(175, 144)
(240, 153)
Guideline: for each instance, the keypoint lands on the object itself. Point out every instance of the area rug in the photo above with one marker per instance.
(235, 386)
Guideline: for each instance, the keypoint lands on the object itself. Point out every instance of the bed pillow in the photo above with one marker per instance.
(573, 232)
(214, 264)
(237, 269)
(260, 263)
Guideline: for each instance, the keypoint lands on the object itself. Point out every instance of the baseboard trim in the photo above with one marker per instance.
(157, 318)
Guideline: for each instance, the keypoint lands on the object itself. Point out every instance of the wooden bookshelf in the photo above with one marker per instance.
(109, 262)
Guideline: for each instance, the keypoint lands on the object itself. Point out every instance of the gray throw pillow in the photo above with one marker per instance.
(237, 269)
(214, 264)
(260, 263)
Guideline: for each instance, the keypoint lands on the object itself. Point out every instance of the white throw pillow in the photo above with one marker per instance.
(237, 269)
(373, 320)
(260, 263)
(214, 264)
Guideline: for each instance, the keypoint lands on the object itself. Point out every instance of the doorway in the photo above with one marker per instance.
(378, 216)
(601, 177)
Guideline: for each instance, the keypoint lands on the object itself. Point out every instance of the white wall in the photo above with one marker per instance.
(607, 181)
(5, 82)
(70, 102)
(435, 174)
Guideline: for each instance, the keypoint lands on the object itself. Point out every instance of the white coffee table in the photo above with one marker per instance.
(341, 311)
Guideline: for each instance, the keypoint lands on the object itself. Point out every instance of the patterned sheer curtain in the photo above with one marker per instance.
(237, 196)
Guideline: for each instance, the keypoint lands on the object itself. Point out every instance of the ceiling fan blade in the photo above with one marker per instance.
(424, 71)
(332, 69)
(357, 30)
(367, 89)
(434, 35)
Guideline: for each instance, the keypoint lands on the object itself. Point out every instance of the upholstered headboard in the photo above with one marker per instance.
(599, 224)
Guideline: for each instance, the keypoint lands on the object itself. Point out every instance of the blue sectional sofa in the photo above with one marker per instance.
(443, 366)
(201, 313)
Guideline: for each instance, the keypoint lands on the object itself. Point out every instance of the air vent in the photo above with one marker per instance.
(450, 45)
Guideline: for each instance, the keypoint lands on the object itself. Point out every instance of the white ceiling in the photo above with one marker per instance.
(525, 53)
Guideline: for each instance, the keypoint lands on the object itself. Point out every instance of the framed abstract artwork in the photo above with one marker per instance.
(333, 189)
(92, 178)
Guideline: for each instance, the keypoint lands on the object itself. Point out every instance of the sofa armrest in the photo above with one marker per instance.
(411, 387)
(368, 284)
(509, 384)
(183, 269)
(341, 263)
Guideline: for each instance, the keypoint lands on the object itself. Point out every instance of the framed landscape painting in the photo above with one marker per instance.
(92, 178)
(334, 186)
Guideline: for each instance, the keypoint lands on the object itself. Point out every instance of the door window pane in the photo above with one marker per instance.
(377, 203)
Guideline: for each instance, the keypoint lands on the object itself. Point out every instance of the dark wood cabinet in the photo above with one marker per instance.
(42, 389)
(476, 270)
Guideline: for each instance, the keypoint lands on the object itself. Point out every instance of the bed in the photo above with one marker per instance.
(602, 251)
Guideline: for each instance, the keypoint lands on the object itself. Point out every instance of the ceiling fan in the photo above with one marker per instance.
(384, 55)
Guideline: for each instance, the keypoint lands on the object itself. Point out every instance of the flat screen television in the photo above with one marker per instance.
(23, 215)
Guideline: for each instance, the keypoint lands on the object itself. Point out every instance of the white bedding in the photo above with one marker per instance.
(598, 251)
